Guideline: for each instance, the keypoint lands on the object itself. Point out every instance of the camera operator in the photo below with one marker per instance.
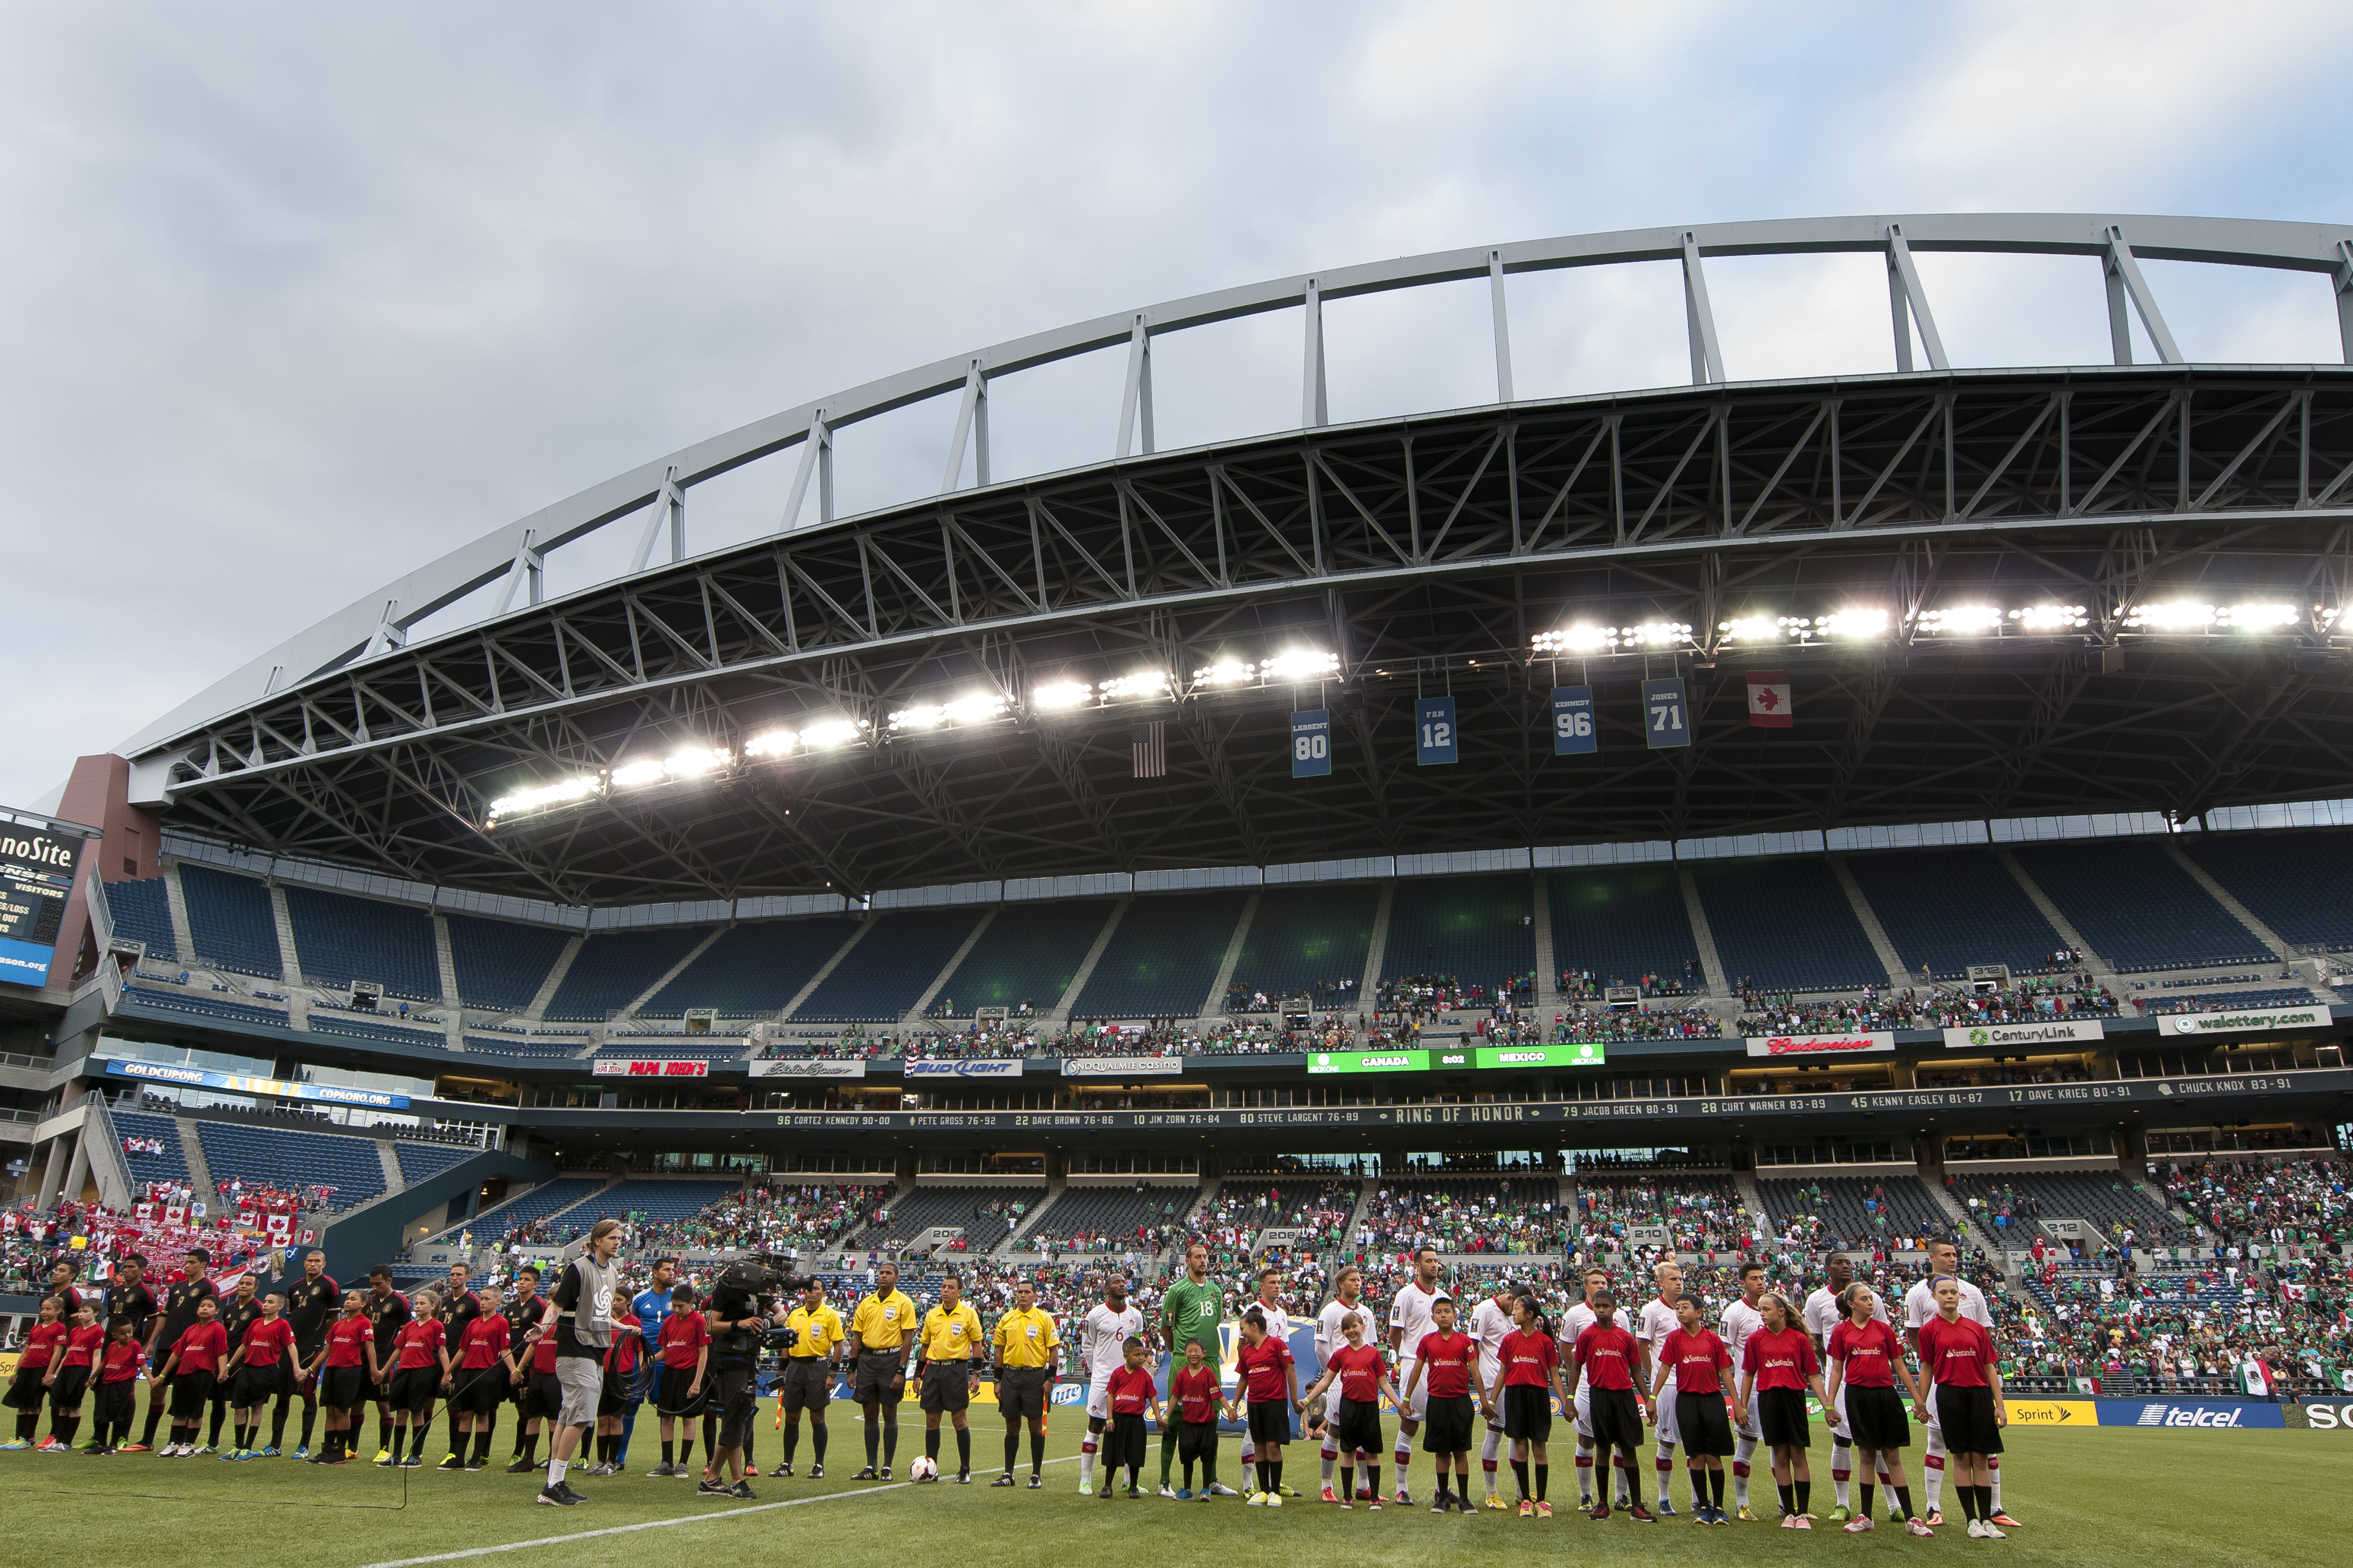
(739, 1324)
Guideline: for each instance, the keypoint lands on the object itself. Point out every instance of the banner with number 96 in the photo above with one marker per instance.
(1573, 731)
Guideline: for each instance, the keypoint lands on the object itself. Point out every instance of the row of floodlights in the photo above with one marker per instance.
(1865, 623)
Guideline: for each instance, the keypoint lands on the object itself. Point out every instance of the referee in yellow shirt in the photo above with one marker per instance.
(883, 1331)
(1024, 1350)
(950, 1337)
(808, 1375)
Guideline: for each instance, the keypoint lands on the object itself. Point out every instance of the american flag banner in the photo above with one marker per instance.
(1148, 744)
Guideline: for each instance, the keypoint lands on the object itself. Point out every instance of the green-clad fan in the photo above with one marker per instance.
(1192, 1309)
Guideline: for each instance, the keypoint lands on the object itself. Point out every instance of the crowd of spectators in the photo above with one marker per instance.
(1585, 985)
(1702, 1214)
(763, 1219)
(1329, 995)
(2292, 1209)
(1523, 1219)
(2258, 1329)
(2075, 994)
(1419, 996)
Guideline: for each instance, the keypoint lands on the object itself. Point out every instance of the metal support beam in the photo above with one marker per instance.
(389, 633)
(1135, 396)
(817, 455)
(1504, 328)
(2343, 280)
(1699, 319)
(1905, 298)
(2123, 281)
(972, 419)
(670, 507)
(529, 567)
(1314, 403)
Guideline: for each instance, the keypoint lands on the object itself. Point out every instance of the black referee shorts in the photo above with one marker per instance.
(1021, 1392)
(948, 1386)
(807, 1383)
(881, 1374)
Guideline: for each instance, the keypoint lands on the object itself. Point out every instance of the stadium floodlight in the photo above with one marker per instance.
(1225, 672)
(922, 716)
(2051, 618)
(1961, 620)
(2180, 615)
(1755, 628)
(695, 761)
(1143, 683)
(830, 733)
(642, 772)
(774, 744)
(541, 797)
(1059, 694)
(1303, 664)
(2259, 617)
(1656, 634)
(1573, 639)
(1854, 623)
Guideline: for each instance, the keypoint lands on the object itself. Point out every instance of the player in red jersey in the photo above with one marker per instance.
(345, 1368)
(1779, 1367)
(43, 1345)
(259, 1372)
(1695, 1357)
(1193, 1399)
(1363, 1377)
(478, 1380)
(1271, 1385)
(420, 1362)
(1131, 1397)
(1448, 1358)
(69, 1374)
(1957, 1356)
(1866, 1359)
(118, 1386)
(192, 1369)
(1529, 1360)
(1613, 1363)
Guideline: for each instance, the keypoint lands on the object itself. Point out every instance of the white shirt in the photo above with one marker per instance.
(1740, 1321)
(1328, 1337)
(1411, 1311)
(1102, 1339)
(1488, 1324)
(1573, 1324)
(1920, 1305)
(1823, 1314)
(1653, 1325)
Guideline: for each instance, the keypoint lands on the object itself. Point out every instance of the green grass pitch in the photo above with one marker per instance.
(2088, 1499)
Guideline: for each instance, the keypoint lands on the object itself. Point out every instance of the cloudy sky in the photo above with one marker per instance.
(297, 300)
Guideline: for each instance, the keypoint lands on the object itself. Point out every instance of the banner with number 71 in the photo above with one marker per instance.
(1666, 717)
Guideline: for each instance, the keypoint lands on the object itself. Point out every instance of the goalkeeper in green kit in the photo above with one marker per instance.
(1190, 1311)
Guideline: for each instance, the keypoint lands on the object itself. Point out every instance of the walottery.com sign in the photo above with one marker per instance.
(1368, 1061)
(1584, 1054)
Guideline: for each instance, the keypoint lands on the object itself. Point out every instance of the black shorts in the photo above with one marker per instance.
(72, 1382)
(1358, 1428)
(1446, 1424)
(1021, 1392)
(25, 1390)
(1124, 1444)
(1705, 1422)
(736, 1399)
(879, 1377)
(1528, 1413)
(1782, 1418)
(477, 1390)
(947, 1386)
(542, 1395)
(192, 1392)
(306, 1355)
(1874, 1418)
(343, 1387)
(251, 1385)
(1270, 1421)
(415, 1388)
(676, 1401)
(1966, 1417)
(621, 1391)
(1615, 1418)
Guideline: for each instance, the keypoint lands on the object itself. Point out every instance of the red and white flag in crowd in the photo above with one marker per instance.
(1768, 699)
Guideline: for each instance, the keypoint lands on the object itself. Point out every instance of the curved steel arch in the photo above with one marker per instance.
(380, 619)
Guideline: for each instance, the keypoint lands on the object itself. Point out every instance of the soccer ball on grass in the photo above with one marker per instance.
(924, 1469)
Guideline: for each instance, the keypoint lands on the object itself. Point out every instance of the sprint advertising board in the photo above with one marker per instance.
(2053, 1413)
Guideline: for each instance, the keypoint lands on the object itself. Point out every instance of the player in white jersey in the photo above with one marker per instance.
(1823, 1314)
(1347, 1299)
(1491, 1320)
(1919, 1306)
(1573, 1323)
(1103, 1335)
(1651, 1325)
(1409, 1320)
(1742, 1319)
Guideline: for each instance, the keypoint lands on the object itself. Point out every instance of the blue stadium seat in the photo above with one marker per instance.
(284, 1158)
(502, 965)
(419, 1161)
(523, 1046)
(170, 1165)
(2292, 882)
(1951, 908)
(2137, 907)
(1163, 959)
(1028, 954)
(230, 921)
(1305, 936)
(339, 939)
(615, 966)
(912, 1214)
(143, 912)
(1620, 923)
(547, 1198)
(890, 966)
(654, 1201)
(209, 1004)
(1474, 928)
(368, 1029)
(753, 969)
(1912, 1208)
(1785, 923)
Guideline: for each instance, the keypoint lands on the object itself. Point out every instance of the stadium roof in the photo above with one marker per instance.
(1995, 592)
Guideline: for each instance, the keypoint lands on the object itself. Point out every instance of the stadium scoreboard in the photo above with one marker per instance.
(39, 858)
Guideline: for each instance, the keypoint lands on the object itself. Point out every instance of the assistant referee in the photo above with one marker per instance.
(1024, 1352)
(883, 1331)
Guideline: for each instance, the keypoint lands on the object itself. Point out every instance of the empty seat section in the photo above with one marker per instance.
(2292, 882)
(977, 1211)
(419, 1161)
(230, 921)
(1304, 937)
(1476, 929)
(1786, 925)
(365, 1029)
(753, 969)
(276, 1157)
(1163, 959)
(143, 912)
(547, 1198)
(523, 1046)
(891, 966)
(1949, 908)
(502, 965)
(339, 939)
(210, 1005)
(1622, 922)
(1028, 954)
(1843, 1204)
(2137, 907)
(1109, 1214)
(170, 1165)
(650, 1201)
(2031, 1199)
(615, 966)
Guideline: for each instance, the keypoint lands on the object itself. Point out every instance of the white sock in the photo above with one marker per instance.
(1665, 1465)
(555, 1468)
(1584, 1470)
(1330, 1458)
(1628, 1488)
(1488, 1449)
(1841, 1468)
(1932, 1479)
(1993, 1479)
(1087, 1462)
(1744, 1449)
(1403, 1458)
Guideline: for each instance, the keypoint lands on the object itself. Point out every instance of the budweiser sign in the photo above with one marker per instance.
(1819, 1045)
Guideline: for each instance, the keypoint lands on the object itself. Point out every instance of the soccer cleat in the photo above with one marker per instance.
(1864, 1525)
(1256, 1499)
(886, 1471)
(816, 1472)
(1345, 1503)
(1134, 1492)
(1282, 1490)
(1086, 1489)
(133, 1449)
(2000, 1518)
(477, 1464)
(1990, 1531)
(1544, 1511)
(207, 1448)
(302, 1450)
(556, 1496)
(271, 1452)
(14, 1446)
(1600, 1511)
(659, 1471)
(1666, 1509)
(964, 1477)
(450, 1462)
(1105, 1491)
(1937, 1518)
(1404, 1497)
(710, 1486)
(1184, 1494)
(782, 1469)
(1746, 1514)
(1802, 1522)
(1329, 1495)
(414, 1462)
(1976, 1529)
(1495, 1501)
(865, 1475)
(48, 1446)
(743, 1492)
(1373, 1506)
(1840, 1514)
(1527, 1509)
(521, 1467)
(1918, 1527)
(1036, 1481)
(1218, 1489)
(1169, 1491)
(1641, 1515)
(1274, 1498)
(1004, 1481)
(384, 1457)
(1439, 1505)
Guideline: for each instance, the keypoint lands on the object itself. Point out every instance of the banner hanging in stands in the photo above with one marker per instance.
(1819, 1045)
(962, 1066)
(655, 1066)
(1121, 1066)
(1311, 742)
(1573, 732)
(1433, 731)
(1769, 700)
(1666, 719)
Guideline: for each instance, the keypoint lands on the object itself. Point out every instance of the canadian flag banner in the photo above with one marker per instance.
(1768, 699)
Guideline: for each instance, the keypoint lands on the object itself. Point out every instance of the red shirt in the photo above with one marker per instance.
(201, 1347)
(1958, 1352)
(683, 1335)
(486, 1340)
(626, 1342)
(1528, 1359)
(1697, 1359)
(1262, 1365)
(1130, 1389)
(419, 1342)
(83, 1345)
(1360, 1368)
(1785, 1359)
(1869, 1352)
(41, 1343)
(122, 1362)
(1194, 1390)
(348, 1342)
(1449, 1357)
(1608, 1356)
(543, 1355)
(267, 1339)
